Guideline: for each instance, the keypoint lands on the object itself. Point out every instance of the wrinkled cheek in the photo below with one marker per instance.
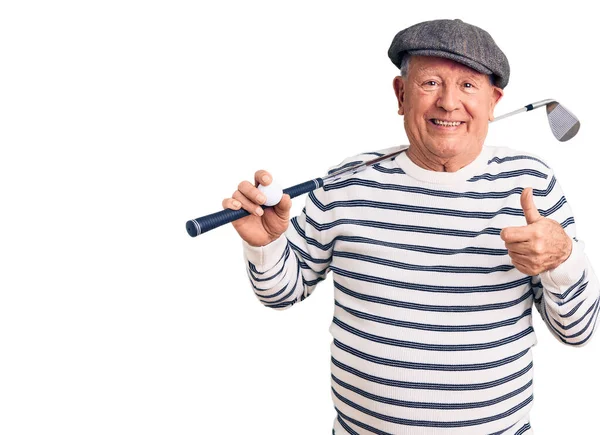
(411, 132)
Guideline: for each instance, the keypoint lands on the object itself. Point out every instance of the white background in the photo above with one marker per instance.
(121, 120)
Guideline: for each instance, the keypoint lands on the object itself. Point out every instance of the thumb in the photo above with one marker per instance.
(284, 205)
(531, 212)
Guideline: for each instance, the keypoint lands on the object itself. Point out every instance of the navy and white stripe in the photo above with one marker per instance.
(432, 327)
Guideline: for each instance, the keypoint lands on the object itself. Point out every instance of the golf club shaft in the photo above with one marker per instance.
(206, 223)
(523, 109)
(203, 224)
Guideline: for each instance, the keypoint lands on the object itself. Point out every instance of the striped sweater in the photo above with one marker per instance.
(432, 329)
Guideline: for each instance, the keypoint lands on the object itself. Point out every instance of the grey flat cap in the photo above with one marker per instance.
(455, 40)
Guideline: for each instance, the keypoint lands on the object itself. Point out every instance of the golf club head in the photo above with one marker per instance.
(564, 124)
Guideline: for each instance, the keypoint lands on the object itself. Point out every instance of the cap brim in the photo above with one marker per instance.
(455, 57)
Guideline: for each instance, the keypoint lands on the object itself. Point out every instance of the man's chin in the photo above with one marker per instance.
(450, 149)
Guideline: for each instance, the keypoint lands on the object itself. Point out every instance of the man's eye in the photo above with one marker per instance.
(430, 83)
(469, 85)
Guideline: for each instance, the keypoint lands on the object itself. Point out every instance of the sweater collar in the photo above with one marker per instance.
(435, 177)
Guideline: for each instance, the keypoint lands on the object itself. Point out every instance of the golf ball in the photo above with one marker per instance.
(273, 193)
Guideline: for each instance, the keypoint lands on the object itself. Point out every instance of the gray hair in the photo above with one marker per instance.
(406, 63)
(404, 66)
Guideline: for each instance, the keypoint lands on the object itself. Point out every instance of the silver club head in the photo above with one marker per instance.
(564, 124)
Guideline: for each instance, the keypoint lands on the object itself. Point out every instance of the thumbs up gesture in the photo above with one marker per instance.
(539, 246)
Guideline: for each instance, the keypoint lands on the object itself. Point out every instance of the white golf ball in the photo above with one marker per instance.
(273, 192)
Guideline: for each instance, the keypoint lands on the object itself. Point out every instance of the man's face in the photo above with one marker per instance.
(446, 107)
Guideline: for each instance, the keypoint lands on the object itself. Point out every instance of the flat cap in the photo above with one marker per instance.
(455, 40)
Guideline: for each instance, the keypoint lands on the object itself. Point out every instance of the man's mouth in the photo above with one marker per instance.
(443, 123)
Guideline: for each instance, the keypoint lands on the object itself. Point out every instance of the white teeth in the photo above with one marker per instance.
(446, 123)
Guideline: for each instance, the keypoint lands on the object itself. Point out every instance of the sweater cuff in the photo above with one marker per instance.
(265, 257)
(569, 272)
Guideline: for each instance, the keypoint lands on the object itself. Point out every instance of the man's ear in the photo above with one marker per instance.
(399, 91)
(497, 95)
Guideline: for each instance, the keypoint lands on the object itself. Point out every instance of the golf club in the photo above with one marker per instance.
(564, 126)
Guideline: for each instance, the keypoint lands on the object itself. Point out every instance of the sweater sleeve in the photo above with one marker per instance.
(567, 296)
(287, 270)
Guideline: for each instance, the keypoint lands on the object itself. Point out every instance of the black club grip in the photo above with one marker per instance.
(302, 188)
(206, 223)
(211, 221)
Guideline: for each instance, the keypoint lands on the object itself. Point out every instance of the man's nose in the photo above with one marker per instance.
(449, 98)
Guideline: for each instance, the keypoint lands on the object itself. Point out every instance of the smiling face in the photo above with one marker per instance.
(446, 108)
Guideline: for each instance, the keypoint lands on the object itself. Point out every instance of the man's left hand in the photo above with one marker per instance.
(539, 246)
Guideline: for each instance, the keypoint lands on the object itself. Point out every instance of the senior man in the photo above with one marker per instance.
(437, 255)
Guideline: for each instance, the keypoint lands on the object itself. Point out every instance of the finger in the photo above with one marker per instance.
(523, 248)
(533, 264)
(529, 209)
(522, 268)
(283, 207)
(262, 177)
(249, 206)
(251, 192)
(521, 258)
(231, 203)
(516, 234)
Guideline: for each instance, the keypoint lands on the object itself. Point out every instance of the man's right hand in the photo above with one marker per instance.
(262, 226)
